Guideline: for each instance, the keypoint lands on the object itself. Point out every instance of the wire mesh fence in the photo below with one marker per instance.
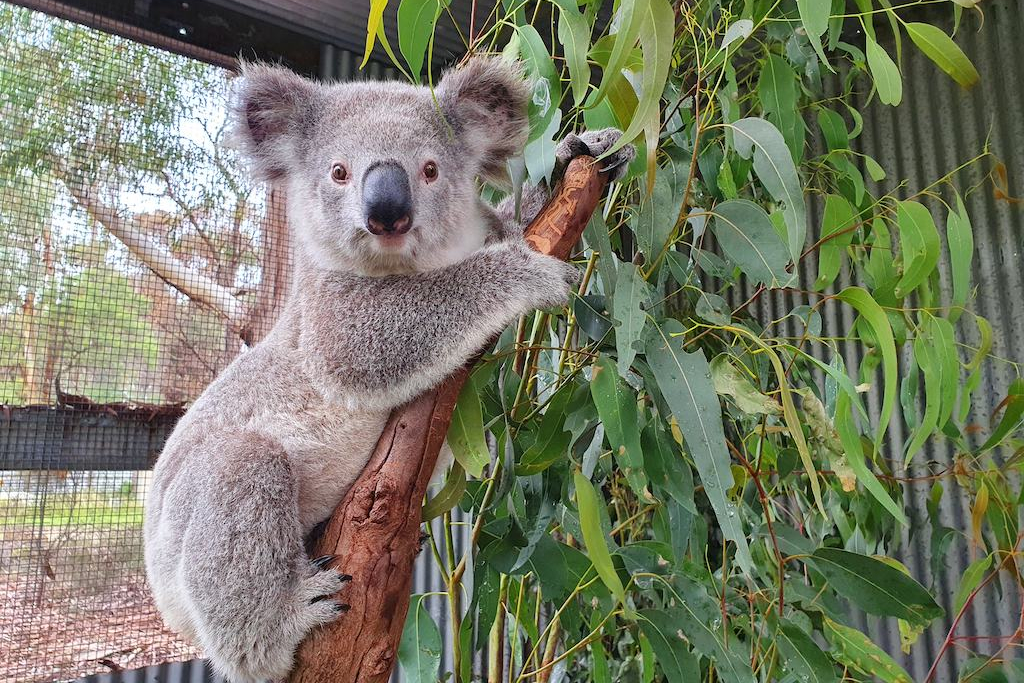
(136, 258)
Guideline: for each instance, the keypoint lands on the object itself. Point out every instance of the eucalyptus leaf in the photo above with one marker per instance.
(803, 656)
(875, 586)
(685, 381)
(946, 54)
(416, 22)
(852, 648)
(758, 139)
(419, 651)
(466, 432)
(748, 239)
(885, 73)
(672, 653)
(597, 548)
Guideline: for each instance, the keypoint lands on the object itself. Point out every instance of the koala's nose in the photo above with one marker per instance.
(387, 199)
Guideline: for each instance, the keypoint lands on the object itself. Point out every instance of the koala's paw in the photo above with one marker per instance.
(595, 143)
(554, 280)
(318, 592)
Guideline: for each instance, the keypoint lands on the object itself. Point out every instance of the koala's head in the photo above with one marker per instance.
(381, 177)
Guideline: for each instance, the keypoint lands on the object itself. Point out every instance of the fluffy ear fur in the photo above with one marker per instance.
(271, 109)
(485, 101)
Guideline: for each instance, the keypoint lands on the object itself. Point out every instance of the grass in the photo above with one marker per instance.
(87, 508)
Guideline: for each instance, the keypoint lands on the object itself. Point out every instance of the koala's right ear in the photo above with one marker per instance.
(272, 109)
(485, 101)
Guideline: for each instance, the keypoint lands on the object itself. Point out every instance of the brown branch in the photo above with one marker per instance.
(375, 529)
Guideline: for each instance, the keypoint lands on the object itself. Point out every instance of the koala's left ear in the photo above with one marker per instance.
(272, 110)
(485, 101)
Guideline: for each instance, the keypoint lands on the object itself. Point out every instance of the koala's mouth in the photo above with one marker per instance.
(392, 241)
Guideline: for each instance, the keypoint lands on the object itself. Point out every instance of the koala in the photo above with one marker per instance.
(401, 274)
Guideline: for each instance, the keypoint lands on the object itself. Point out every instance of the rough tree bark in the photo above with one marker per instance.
(375, 530)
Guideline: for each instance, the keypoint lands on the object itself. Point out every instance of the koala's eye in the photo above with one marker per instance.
(339, 174)
(430, 171)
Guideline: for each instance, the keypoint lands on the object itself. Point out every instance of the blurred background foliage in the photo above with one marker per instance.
(671, 488)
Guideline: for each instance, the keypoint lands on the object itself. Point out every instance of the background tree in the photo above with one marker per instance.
(113, 156)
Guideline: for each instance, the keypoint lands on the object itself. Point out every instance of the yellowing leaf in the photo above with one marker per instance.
(373, 27)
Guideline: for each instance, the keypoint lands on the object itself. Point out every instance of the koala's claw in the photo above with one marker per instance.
(323, 561)
(595, 143)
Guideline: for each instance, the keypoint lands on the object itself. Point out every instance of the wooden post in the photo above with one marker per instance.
(375, 529)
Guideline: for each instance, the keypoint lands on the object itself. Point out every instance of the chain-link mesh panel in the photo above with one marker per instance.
(136, 254)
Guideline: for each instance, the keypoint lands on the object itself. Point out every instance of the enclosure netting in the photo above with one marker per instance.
(113, 169)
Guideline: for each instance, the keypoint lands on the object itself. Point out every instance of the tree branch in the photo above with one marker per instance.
(375, 529)
(192, 284)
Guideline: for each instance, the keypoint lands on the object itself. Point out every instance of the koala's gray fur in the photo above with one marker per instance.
(272, 445)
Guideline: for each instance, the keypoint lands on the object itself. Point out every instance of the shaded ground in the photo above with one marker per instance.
(73, 601)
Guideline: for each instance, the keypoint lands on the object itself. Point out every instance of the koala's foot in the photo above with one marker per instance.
(322, 586)
(595, 143)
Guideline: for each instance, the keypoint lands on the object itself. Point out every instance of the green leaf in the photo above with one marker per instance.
(946, 54)
(656, 40)
(616, 406)
(970, 580)
(1013, 412)
(449, 495)
(778, 91)
(774, 165)
(803, 656)
(748, 239)
(547, 89)
(593, 536)
(657, 217)
(574, 36)
(875, 169)
(671, 651)
(416, 22)
(631, 294)
(630, 16)
(974, 367)
(838, 220)
(852, 648)
(875, 586)
(960, 238)
(814, 15)
(666, 466)
(466, 432)
(854, 452)
(834, 129)
(699, 618)
(713, 308)
(919, 245)
(875, 318)
(685, 382)
(885, 73)
(419, 651)
(729, 381)
(552, 440)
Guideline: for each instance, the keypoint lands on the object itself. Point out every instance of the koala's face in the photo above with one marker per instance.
(381, 177)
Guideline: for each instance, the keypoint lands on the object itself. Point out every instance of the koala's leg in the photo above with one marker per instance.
(252, 590)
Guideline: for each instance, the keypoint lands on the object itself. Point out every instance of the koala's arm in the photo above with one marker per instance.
(377, 342)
